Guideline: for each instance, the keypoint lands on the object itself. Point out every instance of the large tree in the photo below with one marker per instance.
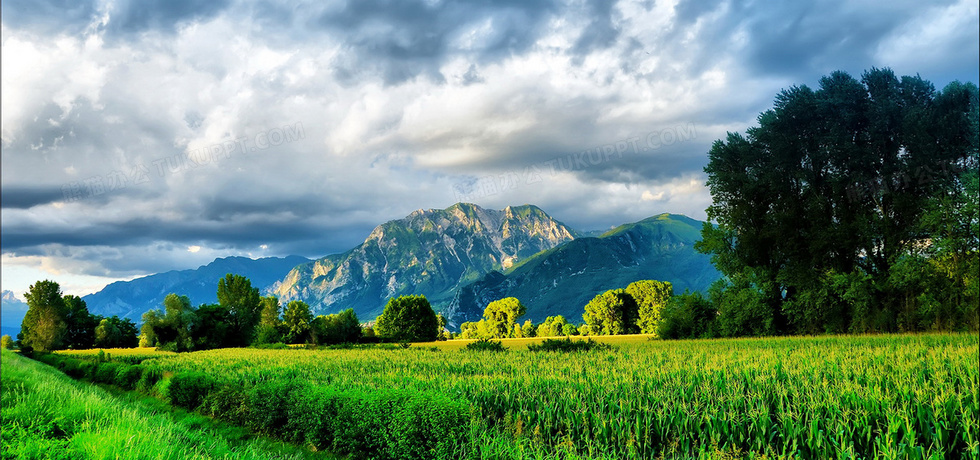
(80, 324)
(611, 313)
(235, 292)
(651, 297)
(297, 322)
(409, 318)
(502, 315)
(44, 326)
(833, 182)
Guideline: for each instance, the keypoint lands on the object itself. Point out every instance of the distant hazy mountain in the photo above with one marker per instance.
(12, 311)
(562, 280)
(431, 252)
(133, 298)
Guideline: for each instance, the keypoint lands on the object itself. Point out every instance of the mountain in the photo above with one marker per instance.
(562, 280)
(12, 311)
(131, 299)
(431, 252)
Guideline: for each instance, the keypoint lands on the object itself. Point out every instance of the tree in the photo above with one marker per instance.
(340, 328)
(552, 326)
(170, 329)
(832, 182)
(114, 332)
(270, 325)
(612, 312)
(651, 297)
(688, 316)
(80, 324)
(6, 342)
(297, 322)
(235, 292)
(408, 318)
(501, 316)
(211, 327)
(43, 328)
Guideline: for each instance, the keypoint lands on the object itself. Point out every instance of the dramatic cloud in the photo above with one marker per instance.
(143, 136)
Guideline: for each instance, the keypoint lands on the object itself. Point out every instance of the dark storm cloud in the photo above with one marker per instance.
(28, 197)
(399, 40)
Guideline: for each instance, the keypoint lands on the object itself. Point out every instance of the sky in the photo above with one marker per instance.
(151, 135)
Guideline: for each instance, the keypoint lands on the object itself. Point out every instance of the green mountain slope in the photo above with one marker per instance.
(562, 280)
(431, 252)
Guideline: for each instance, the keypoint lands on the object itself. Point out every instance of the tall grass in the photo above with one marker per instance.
(46, 415)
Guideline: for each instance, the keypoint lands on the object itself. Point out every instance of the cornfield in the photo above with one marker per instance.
(898, 396)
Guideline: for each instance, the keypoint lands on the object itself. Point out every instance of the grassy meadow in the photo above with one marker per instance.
(880, 396)
(47, 415)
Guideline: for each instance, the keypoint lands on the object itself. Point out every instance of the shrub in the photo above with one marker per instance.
(106, 373)
(425, 427)
(148, 380)
(268, 408)
(568, 345)
(486, 345)
(188, 389)
(128, 376)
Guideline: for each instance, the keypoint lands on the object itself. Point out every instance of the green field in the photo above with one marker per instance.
(46, 415)
(889, 396)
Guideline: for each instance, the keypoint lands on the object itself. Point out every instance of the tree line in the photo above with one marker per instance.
(55, 321)
(637, 309)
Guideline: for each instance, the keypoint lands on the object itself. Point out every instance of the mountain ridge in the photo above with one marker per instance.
(130, 299)
(429, 252)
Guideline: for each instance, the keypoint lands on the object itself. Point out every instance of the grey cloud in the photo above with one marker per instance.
(49, 17)
(20, 197)
(136, 16)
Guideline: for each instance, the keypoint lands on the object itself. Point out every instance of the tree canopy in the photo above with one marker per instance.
(409, 318)
(612, 312)
(818, 205)
(44, 327)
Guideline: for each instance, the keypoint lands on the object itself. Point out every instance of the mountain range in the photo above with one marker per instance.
(130, 299)
(460, 258)
(562, 280)
(433, 252)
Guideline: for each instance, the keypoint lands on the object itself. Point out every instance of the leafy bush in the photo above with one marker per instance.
(128, 376)
(188, 389)
(148, 380)
(486, 345)
(106, 372)
(568, 345)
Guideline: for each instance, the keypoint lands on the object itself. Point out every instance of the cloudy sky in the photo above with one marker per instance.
(142, 136)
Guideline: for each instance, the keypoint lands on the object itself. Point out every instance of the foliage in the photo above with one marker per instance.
(408, 318)
(842, 183)
(270, 325)
(568, 345)
(297, 322)
(80, 324)
(688, 316)
(188, 389)
(501, 316)
(343, 327)
(114, 332)
(485, 345)
(235, 292)
(43, 328)
(552, 326)
(651, 297)
(612, 312)
(6, 342)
